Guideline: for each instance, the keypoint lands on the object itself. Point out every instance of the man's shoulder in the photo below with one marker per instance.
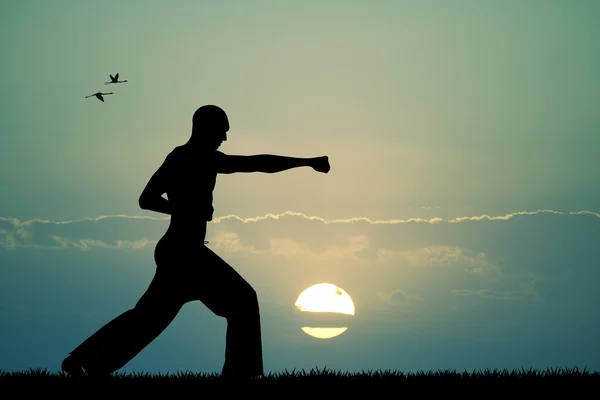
(176, 152)
(183, 155)
(184, 152)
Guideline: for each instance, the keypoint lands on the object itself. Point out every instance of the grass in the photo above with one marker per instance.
(294, 382)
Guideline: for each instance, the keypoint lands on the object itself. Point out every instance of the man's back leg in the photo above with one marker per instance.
(121, 339)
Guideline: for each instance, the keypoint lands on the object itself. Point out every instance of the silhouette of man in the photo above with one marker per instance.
(187, 270)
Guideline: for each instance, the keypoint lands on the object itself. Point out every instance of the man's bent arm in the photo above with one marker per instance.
(157, 204)
(151, 198)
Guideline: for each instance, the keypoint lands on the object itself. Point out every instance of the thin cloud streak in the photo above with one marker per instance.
(17, 222)
(584, 213)
(435, 220)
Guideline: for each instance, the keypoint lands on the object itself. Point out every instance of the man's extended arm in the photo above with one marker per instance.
(269, 163)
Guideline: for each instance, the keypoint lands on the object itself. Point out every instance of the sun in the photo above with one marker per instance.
(325, 298)
(323, 333)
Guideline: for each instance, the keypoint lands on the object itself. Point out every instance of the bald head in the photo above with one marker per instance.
(209, 126)
(210, 118)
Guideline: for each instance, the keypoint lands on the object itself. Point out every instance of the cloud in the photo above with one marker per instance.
(397, 297)
(434, 256)
(355, 248)
(346, 251)
(109, 232)
(118, 229)
(231, 242)
(7, 240)
(370, 221)
(17, 222)
(494, 295)
(439, 256)
(88, 244)
(356, 251)
(408, 272)
(584, 213)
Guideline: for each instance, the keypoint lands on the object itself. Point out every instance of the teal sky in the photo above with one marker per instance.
(439, 111)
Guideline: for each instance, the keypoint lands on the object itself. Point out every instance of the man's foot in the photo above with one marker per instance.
(72, 367)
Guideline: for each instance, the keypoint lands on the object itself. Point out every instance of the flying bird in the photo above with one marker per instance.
(99, 95)
(114, 79)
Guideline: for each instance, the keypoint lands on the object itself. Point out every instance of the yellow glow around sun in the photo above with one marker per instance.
(323, 333)
(325, 297)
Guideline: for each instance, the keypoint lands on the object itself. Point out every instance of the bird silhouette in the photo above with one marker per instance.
(99, 95)
(114, 79)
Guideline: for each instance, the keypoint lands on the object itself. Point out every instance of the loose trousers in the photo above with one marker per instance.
(192, 274)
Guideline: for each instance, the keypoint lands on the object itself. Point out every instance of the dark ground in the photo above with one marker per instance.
(511, 384)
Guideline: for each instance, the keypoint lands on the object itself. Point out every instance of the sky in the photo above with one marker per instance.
(461, 214)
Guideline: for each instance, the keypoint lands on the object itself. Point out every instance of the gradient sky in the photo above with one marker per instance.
(461, 212)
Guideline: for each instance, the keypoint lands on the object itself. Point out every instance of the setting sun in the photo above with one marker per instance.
(323, 333)
(325, 297)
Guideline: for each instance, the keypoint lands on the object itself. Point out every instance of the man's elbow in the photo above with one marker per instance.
(144, 202)
(256, 164)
